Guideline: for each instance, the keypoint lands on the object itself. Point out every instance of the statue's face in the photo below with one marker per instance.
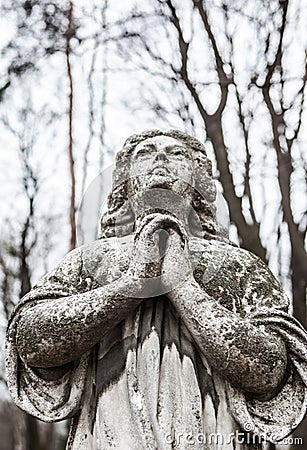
(161, 162)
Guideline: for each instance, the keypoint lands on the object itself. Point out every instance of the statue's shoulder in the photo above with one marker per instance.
(229, 253)
(213, 259)
(76, 257)
(99, 245)
(105, 259)
(101, 249)
(227, 271)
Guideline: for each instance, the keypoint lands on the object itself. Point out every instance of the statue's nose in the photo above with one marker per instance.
(161, 156)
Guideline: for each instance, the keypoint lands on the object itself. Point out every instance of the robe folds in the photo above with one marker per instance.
(147, 384)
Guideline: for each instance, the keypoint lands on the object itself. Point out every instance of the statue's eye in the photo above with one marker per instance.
(145, 151)
(142, 152)
(179, 152)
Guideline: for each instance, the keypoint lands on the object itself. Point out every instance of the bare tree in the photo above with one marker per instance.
(18, 242)
(247, 94)
(50, 27)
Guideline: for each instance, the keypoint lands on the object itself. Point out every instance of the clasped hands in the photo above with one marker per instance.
(160, 256)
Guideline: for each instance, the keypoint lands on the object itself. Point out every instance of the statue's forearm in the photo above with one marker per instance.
(248, 357)
(58, 331)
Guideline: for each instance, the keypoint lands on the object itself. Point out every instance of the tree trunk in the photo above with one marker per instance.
(299, 290)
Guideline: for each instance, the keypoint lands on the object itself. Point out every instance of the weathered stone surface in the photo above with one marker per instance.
(161, 334)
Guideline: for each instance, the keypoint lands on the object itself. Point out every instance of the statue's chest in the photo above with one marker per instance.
(210, 265)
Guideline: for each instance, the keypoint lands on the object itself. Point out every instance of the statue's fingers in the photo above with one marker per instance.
(166, 221)
(179, 230)
(176, 240)
(146, 220)
(172, 223)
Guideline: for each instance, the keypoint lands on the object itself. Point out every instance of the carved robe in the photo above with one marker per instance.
(147, 385)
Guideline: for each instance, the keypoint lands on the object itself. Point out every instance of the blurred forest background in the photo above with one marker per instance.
(78, 77)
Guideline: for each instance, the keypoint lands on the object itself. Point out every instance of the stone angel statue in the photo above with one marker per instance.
(162, 333)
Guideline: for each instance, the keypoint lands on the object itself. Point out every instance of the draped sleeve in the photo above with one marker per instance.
(266, 306)
(48, 394)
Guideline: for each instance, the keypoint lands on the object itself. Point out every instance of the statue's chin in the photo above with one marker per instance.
(161, 182)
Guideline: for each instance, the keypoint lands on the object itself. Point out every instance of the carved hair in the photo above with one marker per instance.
(204, 187)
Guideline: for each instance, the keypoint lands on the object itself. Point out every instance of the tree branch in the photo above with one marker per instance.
(224, 80)
(69, 35)
(249, 234)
